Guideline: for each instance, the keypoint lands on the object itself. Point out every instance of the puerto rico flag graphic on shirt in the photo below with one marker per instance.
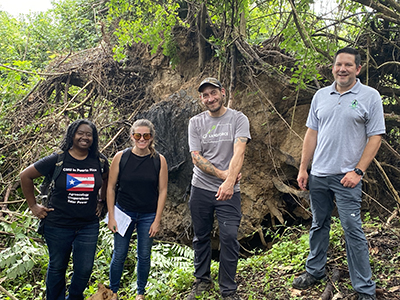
(80, 182)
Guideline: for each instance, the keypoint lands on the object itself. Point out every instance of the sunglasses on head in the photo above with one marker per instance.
(138, 136)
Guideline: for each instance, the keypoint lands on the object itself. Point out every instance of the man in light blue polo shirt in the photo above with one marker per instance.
(345, 124)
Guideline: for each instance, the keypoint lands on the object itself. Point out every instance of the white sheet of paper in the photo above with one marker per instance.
(123, 220)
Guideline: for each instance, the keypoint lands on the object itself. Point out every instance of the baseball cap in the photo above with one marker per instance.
(210, 80)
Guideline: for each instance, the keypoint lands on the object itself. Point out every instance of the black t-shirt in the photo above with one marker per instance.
(138, 185)
(74, 198)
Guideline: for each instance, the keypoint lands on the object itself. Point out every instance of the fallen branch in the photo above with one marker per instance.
(247, 51)
(123, 128)
(73, 98)
(83, 102)
(7, 293)
(380, 8)
(10, 188)
(391, 149)
(274, 212)
(289, 190)
(33, 73)
(275, 109)
(10, 212)
(261, 234)
(388, 63)
(13, 235)
(248, 251)
(388, 182)
(338, 296)
(392, 216)
(16, 201)
(377, 202)
(328, 292)
(32, 90)
(303, 33)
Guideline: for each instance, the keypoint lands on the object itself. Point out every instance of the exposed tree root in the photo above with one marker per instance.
(328, 292)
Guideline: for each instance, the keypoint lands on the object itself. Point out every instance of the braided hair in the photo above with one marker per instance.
(67, 142)
(148, 124)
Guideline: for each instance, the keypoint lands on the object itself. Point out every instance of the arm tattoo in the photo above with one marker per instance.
(241, 139)
(203, 164)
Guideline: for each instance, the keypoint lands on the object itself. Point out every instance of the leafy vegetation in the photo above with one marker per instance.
(143, 21)
(266, 275)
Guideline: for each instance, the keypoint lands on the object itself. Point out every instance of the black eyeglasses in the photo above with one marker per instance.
(138, 136)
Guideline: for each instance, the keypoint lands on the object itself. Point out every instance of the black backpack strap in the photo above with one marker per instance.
(56, 173)
(102, 160)
(157, 162)
(59, 164)
(123, 161)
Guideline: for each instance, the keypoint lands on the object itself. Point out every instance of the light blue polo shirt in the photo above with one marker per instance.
(344, 123)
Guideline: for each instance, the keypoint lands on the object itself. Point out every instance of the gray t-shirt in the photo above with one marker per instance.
(214, 139)
(344, 123)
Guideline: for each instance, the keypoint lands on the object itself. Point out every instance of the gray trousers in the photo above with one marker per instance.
(202, 205)
(348, 202)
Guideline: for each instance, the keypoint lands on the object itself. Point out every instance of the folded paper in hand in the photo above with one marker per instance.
(122, 219)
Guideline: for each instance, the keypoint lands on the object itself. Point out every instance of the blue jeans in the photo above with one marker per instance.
(142, 223)
(202, 206)
(61, 242)
(348, 201)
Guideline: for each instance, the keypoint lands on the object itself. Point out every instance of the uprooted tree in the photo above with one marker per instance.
(271, 75)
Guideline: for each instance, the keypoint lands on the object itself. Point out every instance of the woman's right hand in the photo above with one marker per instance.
(112, 225)
(40, 211)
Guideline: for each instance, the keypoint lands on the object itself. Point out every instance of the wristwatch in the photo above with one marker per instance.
(358, 171)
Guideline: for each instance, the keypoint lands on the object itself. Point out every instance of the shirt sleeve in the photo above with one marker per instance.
(193, 138)
(312, 119)
(376, 121)
(242, 126)
(46, 165)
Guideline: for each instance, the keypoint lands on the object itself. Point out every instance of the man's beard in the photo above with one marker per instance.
(220, 104)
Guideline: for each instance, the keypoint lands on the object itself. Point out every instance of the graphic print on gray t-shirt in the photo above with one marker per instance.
(218, 133)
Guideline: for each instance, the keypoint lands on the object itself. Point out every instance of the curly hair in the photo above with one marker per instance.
(148, 124)
(67, 142)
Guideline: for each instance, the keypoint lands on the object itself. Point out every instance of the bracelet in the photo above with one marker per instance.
(100, 200)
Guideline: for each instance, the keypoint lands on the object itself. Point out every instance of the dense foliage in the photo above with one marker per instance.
(264, 275)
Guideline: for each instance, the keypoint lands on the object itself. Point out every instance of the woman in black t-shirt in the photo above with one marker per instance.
(71, 218)
(142, 191)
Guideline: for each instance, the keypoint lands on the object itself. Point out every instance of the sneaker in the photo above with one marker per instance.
(233, 296)
(198, 288)
(305, 280)
(362, 296)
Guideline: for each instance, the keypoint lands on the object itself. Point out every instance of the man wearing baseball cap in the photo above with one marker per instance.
(217, 142)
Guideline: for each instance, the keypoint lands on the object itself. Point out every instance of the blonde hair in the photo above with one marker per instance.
(148, 124)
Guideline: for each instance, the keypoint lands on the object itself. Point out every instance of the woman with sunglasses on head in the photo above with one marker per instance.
(141, 194)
